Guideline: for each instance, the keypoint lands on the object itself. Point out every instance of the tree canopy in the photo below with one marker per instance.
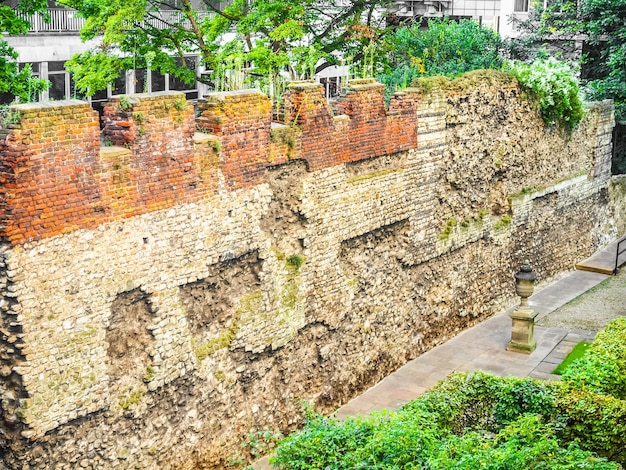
(602, 23)
(274, 35)
(20, 83)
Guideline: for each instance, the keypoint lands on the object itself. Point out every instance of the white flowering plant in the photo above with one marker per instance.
(555, 87)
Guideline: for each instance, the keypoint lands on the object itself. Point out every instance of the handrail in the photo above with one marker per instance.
(66, 20)
(55, 20)
(619, 250)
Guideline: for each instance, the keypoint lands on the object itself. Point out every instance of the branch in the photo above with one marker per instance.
(214, 9)
(356, 6)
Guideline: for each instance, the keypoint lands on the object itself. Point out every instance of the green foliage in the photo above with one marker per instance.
(9, 116)
(603, 22)
(244, 43)
(468, 421)
(576, 353)
(260, 443)
(556, 89)
(603, 369)
(20, 83)
(595, 422)
(295, 262)
(130, 398)
(445, 48)
(450, 224)
(125, 103)
(503, 222)
(180, 103)
(324, 443)
(527, 442)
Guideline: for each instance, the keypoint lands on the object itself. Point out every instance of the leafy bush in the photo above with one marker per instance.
(323, 443)
(556, 89)
(478, 420)
(468, 421)
(485, 402)
(446, 48)
(595, 422)
(527, 442)
(603, 367)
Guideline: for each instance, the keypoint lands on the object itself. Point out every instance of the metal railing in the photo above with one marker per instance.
(67, 20)
(620, 249)
(55, 21)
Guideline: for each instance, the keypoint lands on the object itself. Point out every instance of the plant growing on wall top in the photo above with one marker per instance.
(601, 24)
(553, 84)
(446, 48)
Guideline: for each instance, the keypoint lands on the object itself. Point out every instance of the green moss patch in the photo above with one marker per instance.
(467, 81)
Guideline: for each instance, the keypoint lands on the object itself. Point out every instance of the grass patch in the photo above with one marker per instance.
(578, 352)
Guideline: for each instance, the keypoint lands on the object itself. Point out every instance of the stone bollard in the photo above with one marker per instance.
(523, 317)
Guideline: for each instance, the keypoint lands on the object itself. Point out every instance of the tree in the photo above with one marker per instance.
(602, 24)
(20, 83)
(294, 36)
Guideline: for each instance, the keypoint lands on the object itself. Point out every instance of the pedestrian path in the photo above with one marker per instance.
(482, 347)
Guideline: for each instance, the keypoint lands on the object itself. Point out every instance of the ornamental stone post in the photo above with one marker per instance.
(523, 317)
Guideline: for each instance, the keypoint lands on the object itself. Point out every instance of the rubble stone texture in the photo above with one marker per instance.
(164, 297)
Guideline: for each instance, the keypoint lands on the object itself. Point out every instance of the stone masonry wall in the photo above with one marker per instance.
(222, 277)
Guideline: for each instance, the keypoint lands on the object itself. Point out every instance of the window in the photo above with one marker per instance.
(521, 6)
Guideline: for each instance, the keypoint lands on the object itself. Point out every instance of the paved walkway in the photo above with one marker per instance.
(484, 347)
(481, 347)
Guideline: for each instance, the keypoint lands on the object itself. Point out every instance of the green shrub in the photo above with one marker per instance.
(527, 442)
(323, 443)
(417, 437)
(595, 422)
(603, 367)
(478, 420)
(555, 88)
(485, 402)
(446, 48)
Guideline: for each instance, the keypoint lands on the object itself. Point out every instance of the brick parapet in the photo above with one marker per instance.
(47, 171)
(56, 178)
(242, 120)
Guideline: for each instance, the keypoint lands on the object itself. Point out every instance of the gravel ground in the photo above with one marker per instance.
(593, 309)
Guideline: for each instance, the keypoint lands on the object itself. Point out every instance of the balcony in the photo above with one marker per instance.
(62, 20)
(413, 8)
(57, 20)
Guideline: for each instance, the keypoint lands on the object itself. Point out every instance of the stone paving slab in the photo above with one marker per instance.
(482, 347)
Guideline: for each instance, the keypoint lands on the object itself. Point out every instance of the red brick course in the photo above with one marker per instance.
(56, 178)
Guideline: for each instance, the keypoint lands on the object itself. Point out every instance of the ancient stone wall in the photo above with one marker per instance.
(193, 288)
